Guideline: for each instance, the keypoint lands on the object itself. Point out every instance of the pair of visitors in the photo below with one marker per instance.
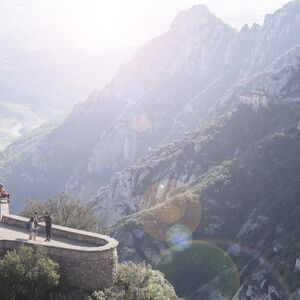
(32, 226)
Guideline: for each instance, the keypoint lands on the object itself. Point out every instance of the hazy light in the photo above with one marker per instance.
(99, 24)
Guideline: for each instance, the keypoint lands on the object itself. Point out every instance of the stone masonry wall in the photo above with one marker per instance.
(89, 268)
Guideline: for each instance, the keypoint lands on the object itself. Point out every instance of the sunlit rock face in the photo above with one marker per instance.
(277, 35)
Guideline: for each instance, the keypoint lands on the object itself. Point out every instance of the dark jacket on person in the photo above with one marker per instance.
(48, 220)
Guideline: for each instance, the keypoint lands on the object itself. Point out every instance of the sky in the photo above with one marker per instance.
(104, 24)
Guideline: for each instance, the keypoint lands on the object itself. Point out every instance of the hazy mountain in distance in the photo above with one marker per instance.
(17, 120)
(57, 78)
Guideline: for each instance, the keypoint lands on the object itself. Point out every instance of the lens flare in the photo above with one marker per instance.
(167, 204)
(179, 237)
(263, 274)
(140, 123)
(200, 264)
(172, 214)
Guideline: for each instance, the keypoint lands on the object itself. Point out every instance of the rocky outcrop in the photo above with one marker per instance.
(205, 58)
(238, 181)
(248, 207)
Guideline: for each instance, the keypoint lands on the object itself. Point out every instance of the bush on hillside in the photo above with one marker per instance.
(65, 210)
(27, 274)
(137, 282)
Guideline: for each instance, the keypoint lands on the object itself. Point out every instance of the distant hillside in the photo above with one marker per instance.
(17, 120)
(58, 78)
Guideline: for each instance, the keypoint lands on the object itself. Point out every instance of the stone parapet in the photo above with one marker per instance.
(89, 264)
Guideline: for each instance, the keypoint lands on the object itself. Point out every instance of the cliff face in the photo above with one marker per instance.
(132, 113)
(279, 86)
(233, 184)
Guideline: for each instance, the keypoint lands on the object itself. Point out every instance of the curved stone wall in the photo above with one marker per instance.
(88, 262)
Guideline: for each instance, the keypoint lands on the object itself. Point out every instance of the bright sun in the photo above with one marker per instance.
(99, 20)
(99, 24)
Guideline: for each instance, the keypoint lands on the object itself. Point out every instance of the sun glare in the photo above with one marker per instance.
(95, 21)
(103, 24)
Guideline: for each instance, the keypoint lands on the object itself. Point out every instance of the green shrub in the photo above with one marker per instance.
(27, 274)
(65, 210)
(137, 282)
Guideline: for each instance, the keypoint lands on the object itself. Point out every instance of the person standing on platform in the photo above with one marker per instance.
(48, 222)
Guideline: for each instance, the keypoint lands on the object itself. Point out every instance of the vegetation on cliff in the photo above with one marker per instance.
(27, 274)
(65, 210)
(137, 282)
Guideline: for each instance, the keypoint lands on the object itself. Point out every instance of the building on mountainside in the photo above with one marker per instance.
(87, 260)
(255, 98)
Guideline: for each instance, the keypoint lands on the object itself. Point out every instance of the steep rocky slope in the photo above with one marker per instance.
(160, 74)
(173, 85)
(276, 117)
(164, 113)
(235, 186)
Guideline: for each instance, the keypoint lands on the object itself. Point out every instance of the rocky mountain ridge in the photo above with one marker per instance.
(229, 69)
(243, 180)
(154, 100)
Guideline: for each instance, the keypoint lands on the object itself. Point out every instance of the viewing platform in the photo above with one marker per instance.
(87, 260)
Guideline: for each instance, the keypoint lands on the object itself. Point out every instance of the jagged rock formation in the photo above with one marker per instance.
(171, 86)
(244, 169)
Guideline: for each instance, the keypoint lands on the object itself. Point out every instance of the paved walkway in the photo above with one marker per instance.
(12, 233)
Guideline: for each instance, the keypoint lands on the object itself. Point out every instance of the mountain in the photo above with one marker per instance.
(17, 120)
(174, 84)
(189, 156)
(37, 85)
(156, 72)
(217, 212)
(117, 198)
(57, 78)
(159, 123)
